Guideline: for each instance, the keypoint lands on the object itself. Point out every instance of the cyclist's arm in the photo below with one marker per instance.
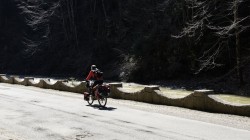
(90, 75)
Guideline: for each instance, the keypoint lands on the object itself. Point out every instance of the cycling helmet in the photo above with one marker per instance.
(93, 67)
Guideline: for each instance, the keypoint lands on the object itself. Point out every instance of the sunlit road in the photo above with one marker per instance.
(28, 113)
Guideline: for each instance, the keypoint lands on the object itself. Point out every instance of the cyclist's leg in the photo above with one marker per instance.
(99, 83)
(94, 87)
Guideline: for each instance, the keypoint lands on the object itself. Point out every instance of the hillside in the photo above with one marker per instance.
(135, 40)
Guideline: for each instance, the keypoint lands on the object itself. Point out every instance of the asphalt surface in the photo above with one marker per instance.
(28, 113)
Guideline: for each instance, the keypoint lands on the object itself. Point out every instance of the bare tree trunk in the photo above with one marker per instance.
(64, 24)
(49, 37)
(94, 6)
(72, 29)
(104, 10)
(237, 43)
(69, 22)
(73, 22)
(1, 14)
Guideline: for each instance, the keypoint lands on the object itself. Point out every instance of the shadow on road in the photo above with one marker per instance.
(96, 106)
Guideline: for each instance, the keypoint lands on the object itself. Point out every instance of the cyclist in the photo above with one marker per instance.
(96, 75)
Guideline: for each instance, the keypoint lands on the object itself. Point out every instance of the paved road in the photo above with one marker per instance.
(28, 113)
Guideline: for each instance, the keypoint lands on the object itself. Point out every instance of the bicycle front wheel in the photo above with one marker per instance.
(91, 99)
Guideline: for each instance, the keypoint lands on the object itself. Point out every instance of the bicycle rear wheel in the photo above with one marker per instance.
(102, 101)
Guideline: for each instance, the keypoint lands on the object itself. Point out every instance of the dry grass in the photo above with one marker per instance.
(234, 99)
(132, 87)
(175, 93)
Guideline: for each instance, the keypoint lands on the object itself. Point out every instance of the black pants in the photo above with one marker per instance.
(97, 82)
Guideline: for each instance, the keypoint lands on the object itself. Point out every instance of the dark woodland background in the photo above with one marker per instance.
(193, 43)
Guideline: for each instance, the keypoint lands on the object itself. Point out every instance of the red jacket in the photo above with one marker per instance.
(92, 75)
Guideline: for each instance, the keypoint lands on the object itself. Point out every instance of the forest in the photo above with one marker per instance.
(192, 43)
